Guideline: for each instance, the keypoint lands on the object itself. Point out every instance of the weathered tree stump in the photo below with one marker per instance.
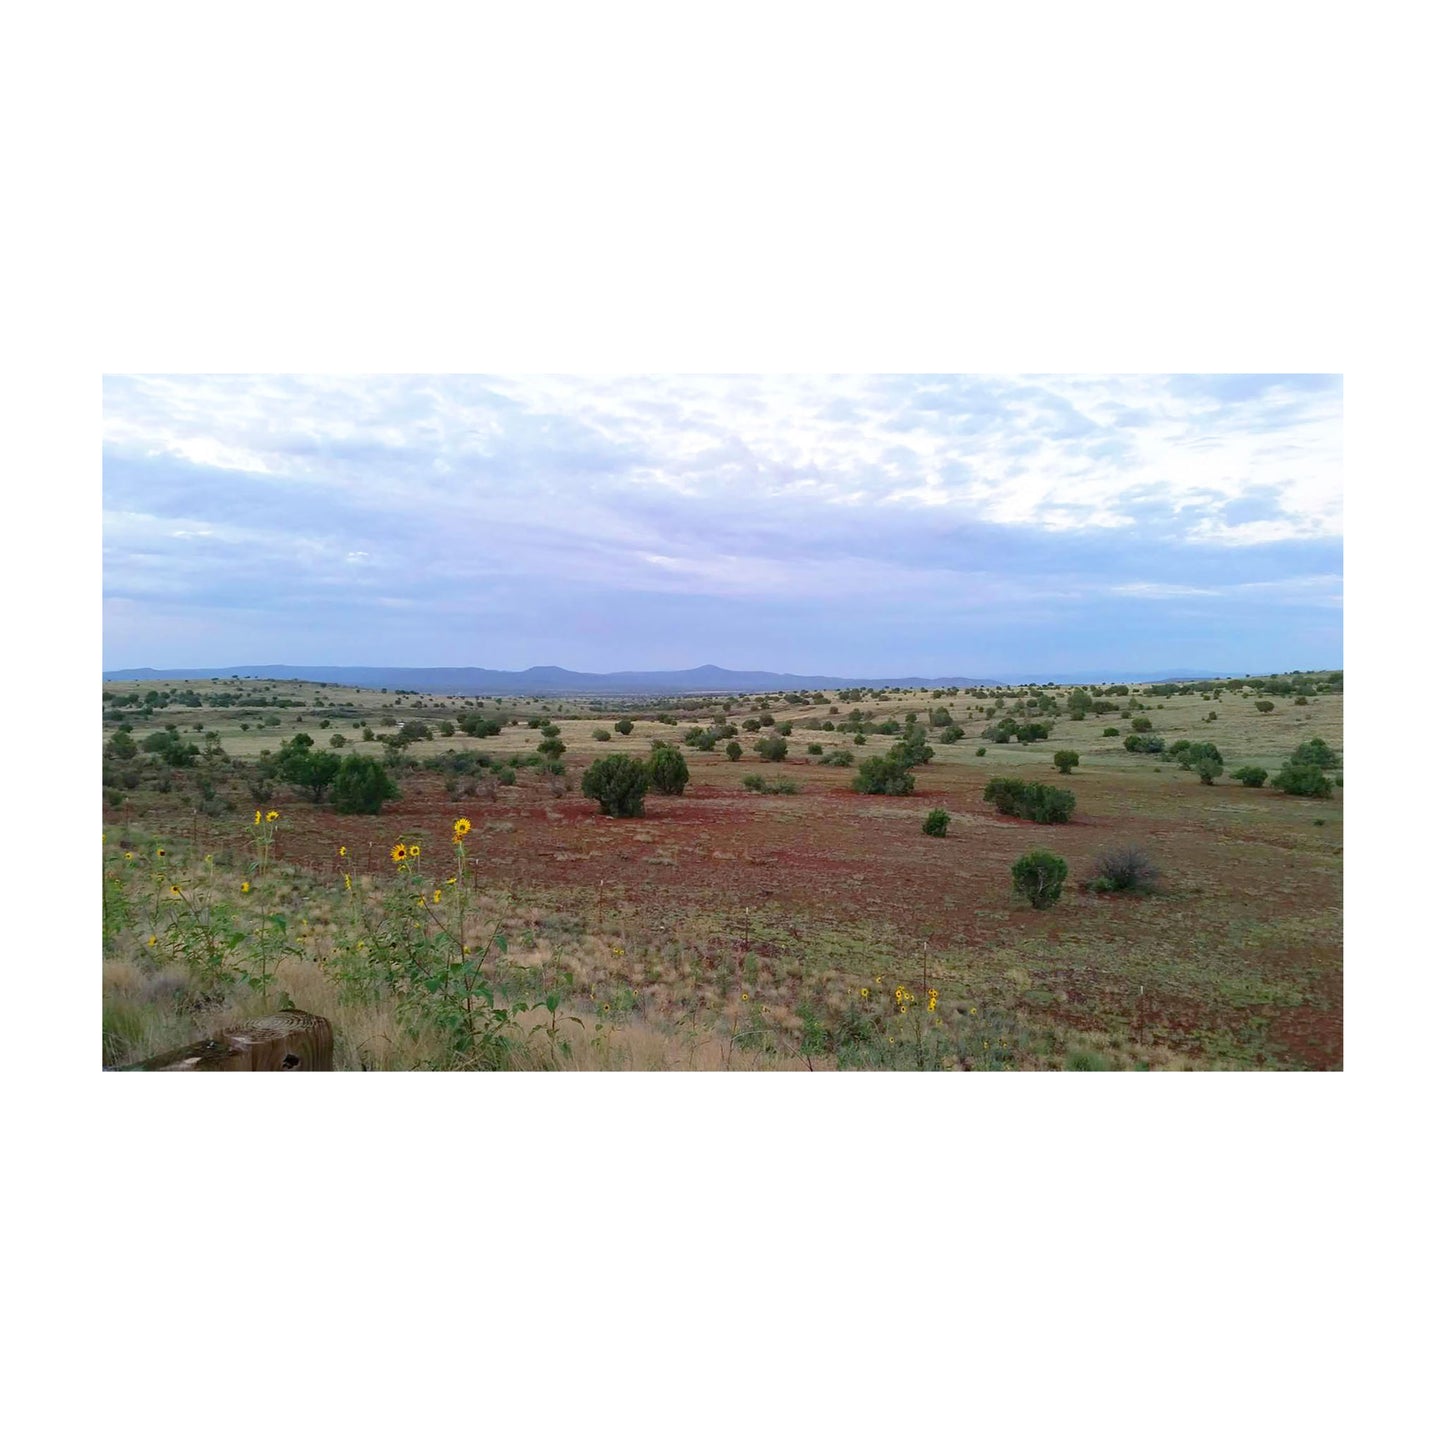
(287, 1039)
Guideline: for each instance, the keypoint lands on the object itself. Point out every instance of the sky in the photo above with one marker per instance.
(859, 526)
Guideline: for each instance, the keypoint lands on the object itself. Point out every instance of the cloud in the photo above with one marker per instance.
(275, 506)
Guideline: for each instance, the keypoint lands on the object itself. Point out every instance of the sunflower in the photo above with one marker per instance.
(450, 882)
(245, 886)
(160, 852)
(342, 851)
(462, 827)
(151, 941)
(130, 857)
(398, 854)
(272, 816)
(258, 817)
(436, 895)
(415, 850)
(347, 876)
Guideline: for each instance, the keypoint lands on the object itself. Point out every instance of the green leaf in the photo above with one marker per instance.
(502, 942)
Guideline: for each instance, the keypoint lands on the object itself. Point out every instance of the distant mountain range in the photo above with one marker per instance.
(562, 682)
(542, 681)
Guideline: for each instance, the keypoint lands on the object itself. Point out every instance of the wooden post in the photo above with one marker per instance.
(287, 1039)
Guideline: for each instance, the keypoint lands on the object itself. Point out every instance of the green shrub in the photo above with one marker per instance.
(1208, 769)
(837, 758)
(950, 734)
(936, 823)
(551, 747)
(1303, 780)
(1037, 802)
(623, 726)
(756, 783)
(1039, 876)
(1264, 704)
(1111, 732)
(338, 740)
(1141, 725)
(601, 735)
(361, 785)
(979, 752)
(771, 750)
(1066, 761)
(299, 764)
(1251, 777)
(885, 775)
(666, 770)
(734, 751)
(815, 750)
(618, 784)
(1315, 753)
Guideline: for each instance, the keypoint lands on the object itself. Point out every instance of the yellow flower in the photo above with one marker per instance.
(341, 852)
(175, 892)
(347, 876)
(932, 1004)
(258, 817)
(415, 850)
(272, 816)
(745, 998)
(130, 857)
(462, 827)
(245, 887)
(436, 896)
(151, 941)
(398, 853)
(972, 1011)
(450, 881)
(863, 992)
(160, 852)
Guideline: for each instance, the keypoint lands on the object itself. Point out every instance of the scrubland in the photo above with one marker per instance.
(492, 916)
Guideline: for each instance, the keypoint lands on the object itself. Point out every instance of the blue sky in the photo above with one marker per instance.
(852, 525)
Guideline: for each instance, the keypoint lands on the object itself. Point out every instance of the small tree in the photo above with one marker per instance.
(361, 785)
(734, 751)
(666, 770)
(771, 750)
(936, 823)
(1066, 761)
(299, 764)
(1141, 725)
(1315, 753)
(618, 784)
(623, 726)
(1208, 769)
(551, 747)
(1039, 876)
(1303, 780)
(883, 775)
(1264, 704)
(1250, 776)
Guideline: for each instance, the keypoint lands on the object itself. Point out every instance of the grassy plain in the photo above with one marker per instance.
(729, 930)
